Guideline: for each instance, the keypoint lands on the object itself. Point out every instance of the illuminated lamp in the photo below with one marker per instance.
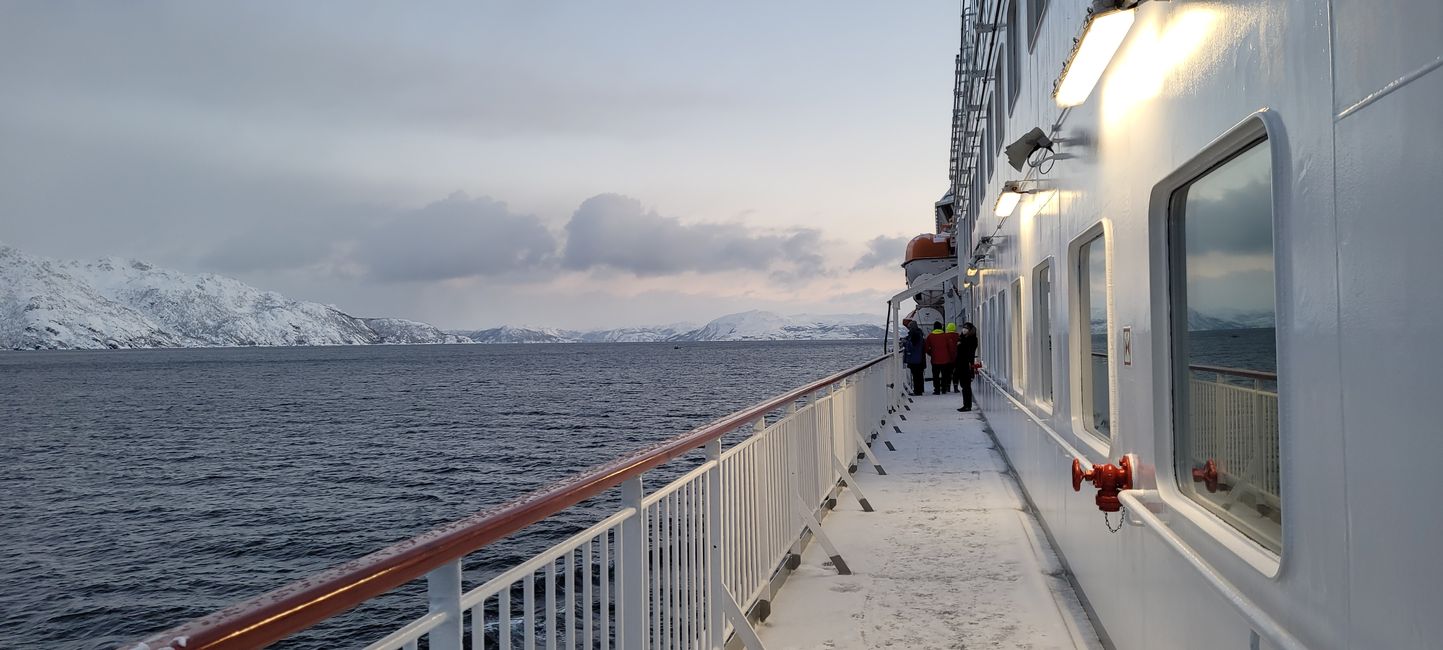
(1107, 24)
(971, 271)
(1007, 200)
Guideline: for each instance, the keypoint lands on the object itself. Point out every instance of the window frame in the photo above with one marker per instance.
(1044, 364)
(1080, 341)
(1036, 11)
(999, 118)
(1017, 338)
(1195, 522)
(1014, 55)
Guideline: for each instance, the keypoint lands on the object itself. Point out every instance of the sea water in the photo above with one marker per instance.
(140, 489)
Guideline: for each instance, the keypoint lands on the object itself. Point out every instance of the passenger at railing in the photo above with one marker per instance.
(942, 350)
(966, 356)
(914, 355)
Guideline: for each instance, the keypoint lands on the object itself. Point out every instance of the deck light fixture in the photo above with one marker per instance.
(1107, 24)
(971, 271)
(1007, 201)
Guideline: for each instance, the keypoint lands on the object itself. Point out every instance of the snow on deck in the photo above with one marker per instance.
(950, 559)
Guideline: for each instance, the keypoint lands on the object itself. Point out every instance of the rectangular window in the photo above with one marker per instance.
(1042, 322)
(1035, 9)
(1092, 309)
(999, 119)
(1017, 341)
(987, 159)
(1225, 343)
(1014, 56)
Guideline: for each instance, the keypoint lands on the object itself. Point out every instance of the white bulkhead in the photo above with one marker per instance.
(1337, 109)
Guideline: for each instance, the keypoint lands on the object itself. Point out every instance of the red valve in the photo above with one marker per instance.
(1109, 480)
(1208, 475)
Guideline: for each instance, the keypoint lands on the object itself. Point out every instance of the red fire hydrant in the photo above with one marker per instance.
(1109, 480)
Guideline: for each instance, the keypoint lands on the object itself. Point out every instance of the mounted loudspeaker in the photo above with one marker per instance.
(1018, 151)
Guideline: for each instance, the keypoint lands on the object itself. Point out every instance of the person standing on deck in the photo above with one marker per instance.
(955, 383)
(966, 355)
(915, 356)
(942, 351)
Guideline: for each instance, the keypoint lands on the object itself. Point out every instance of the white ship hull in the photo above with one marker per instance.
(1349, 94)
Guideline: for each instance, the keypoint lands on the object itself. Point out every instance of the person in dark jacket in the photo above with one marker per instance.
(966, 355)
(942, 351)
(915, 356)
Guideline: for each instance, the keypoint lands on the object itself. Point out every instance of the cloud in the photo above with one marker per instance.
(457, 237)
(1236, 221)
(617, 232)
(882, 251)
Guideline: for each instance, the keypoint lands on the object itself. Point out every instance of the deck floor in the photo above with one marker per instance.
(950, 558)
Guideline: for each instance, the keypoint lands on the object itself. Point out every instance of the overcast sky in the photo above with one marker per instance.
(572, 164)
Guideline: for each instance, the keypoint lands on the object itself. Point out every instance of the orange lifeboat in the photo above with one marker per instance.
(927, 247)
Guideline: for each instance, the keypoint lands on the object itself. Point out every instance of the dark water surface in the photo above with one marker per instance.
(139, 489)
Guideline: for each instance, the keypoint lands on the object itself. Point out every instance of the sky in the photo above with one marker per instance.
(473, 164)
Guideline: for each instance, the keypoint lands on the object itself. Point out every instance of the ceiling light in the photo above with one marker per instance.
(1102, 34)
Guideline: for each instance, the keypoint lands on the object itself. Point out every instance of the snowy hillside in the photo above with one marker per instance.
(746, 326)
(519, 335)
(400, 330)
(112, 303)
(637, 334)
(769, 326)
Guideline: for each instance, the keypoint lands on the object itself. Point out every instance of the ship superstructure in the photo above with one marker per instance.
(1203, 273)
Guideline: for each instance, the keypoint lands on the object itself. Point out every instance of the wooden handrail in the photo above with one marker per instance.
(275, 615)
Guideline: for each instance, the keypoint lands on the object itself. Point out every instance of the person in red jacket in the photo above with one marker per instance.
(943, 351)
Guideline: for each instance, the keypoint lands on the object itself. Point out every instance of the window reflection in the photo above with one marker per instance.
(1227, 420)
(1092, 274)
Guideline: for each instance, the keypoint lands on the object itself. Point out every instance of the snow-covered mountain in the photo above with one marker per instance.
(508, 334)
(1229, 320)
(759, 325)
(400, 330)
(638, 334)
(114, 303)
(745, 326)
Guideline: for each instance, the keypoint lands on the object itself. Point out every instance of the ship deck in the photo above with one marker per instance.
(951, 558)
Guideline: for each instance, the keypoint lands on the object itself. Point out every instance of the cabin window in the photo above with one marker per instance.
(1220, 227)
(1035, 9)
(1017, 339)
(1092, 330)
(1014, 55)
(999, 120)
(1042, 328)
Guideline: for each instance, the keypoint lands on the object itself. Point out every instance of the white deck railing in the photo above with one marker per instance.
(673, 568)
(1233, 418)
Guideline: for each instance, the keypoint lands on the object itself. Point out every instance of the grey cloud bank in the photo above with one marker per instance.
(617, 232)
(882, 251)
(304, 146)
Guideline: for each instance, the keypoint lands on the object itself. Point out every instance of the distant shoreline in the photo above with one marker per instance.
(682, 344)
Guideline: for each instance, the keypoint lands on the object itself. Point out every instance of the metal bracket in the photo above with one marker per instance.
(805, 514)
(851, 484)
(876, 464)
(740, 625)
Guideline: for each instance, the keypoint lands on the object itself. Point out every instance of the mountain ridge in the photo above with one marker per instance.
(120, 303)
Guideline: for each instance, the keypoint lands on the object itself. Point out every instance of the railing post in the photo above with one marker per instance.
(716, 588)
(443, 590)
(631, 601)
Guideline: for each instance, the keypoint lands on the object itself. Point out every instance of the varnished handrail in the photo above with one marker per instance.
(273, 616)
